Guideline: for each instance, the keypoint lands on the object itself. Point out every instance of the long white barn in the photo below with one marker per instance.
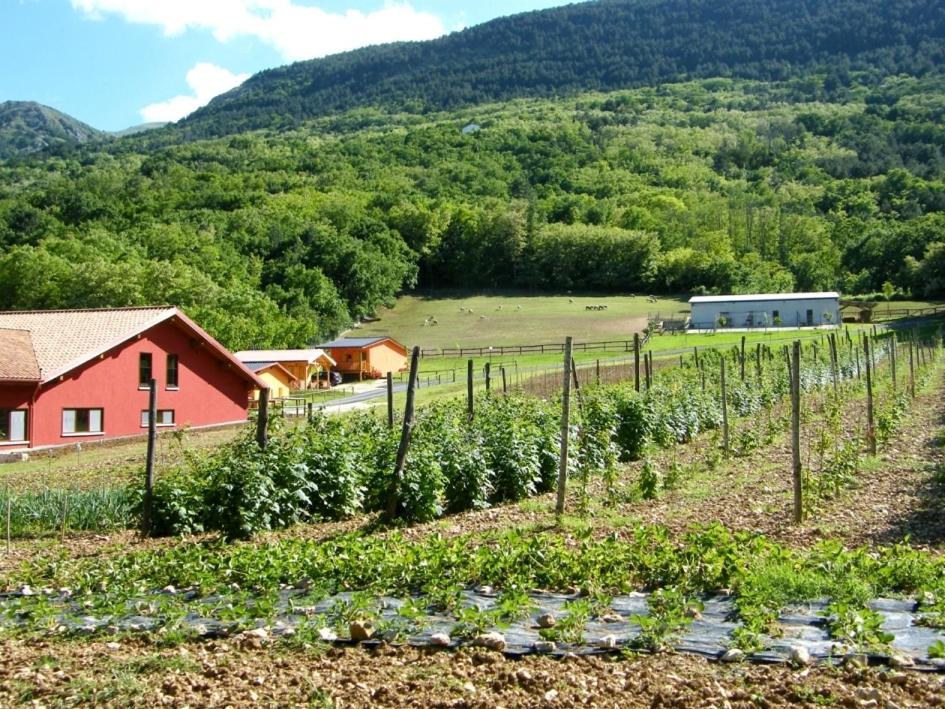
(765, 310)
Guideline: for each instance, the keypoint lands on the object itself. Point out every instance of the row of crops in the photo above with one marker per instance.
(331, 468)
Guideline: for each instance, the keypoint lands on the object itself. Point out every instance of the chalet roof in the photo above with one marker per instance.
(762, 297)
(17, 358)
(357, 342)
(308, 356)
(65, 339)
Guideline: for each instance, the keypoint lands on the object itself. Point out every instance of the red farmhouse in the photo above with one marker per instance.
(75, 375)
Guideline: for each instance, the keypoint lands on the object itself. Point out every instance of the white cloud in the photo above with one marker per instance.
(206, 81)
(296, 31)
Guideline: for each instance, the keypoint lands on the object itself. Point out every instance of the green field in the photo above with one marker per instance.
(515, 319)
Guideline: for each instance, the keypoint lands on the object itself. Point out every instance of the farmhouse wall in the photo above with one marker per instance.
(209, 391)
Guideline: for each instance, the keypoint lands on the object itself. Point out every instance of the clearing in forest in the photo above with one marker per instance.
(463, 320)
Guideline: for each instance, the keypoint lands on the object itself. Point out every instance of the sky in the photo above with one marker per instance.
(118, 63)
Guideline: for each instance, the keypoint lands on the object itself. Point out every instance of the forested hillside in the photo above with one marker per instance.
(280, 238)
(28, 127)
(604, 45)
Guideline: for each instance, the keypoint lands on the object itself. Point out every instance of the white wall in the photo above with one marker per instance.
(793, 313)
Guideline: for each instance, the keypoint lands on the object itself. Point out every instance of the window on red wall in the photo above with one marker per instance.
(79, 421)
(144, 369)
(172, 381)
(12, 425)
(165, 417)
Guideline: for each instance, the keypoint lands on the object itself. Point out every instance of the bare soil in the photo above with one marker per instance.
(221, 673)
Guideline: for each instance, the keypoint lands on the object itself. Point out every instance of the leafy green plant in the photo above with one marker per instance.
(650, 481)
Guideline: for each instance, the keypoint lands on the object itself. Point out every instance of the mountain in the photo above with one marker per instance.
(29, 127)
(604, 45)
(140, 128)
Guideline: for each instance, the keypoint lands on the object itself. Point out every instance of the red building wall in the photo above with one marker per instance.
(210, 391)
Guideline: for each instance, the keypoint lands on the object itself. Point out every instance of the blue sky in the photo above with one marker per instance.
(117, 63)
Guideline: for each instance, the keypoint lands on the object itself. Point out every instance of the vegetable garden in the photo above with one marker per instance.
(504, 449)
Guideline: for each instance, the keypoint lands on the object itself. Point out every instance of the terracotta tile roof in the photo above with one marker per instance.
(64, 339)
(17, 358)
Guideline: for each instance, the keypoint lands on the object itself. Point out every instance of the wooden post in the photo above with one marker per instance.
(911, 370)
(390, 400)
(309, 411)
(859, 374)
(724, 409)
(488, 376)
(758, 362)
(892, 359)
(505, 385)
(262, 421)
(597, 372)
(636, 361)
(393, 497)
(565, 421)
(9, 518)
(469, 389)
(148, 502)
(695, 354)
(870, 430)
(834, 362)
(741, 358)
(648, 368)
(796, 432)
(65, 516)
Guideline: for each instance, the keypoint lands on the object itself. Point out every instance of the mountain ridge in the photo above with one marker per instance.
(30, 127)
(603, 45)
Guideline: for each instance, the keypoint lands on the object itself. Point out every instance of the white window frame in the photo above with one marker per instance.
(26, 427)
(74, 412)
(161, 416)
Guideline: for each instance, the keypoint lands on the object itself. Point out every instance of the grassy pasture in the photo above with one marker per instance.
(515, 318)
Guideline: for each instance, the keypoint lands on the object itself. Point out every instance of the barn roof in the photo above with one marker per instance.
(263, 366)
(762, 297)
(17, 357)
(65, 339)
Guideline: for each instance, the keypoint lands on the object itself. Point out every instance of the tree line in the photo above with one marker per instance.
(284, 237)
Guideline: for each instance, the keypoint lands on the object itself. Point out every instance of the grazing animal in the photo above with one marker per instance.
(518, 307)
(482, 317)
(570, 300)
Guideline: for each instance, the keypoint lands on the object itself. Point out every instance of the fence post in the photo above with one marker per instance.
(758, 361)
(892, 359)
(834, 362)
(147, 507)
(796, 432)
(393, 497)
(648, 362)
(724, 408)
(469, 389)
(870, 431)
(597, 372)
(390, 400)
(488, 376)
(505, 386)
(636, 361)
(262, 420)
(741, 358)
(9, 518)
(565, 425)
(309, 411)
(911, 370)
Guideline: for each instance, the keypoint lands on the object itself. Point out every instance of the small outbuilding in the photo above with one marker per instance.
(367, 357)
(304, 367)
(765, 310)
(279, 380)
